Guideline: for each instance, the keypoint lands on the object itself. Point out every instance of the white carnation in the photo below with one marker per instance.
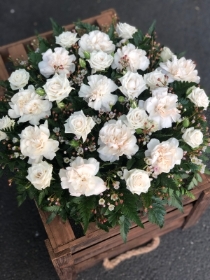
(36, 144)
(163, 156)
(66, 39)
(27, 105)
(40, 175)
(156, 79)
(133, 85)
(130, 58)
(137, 180)
(95, 41)
(193, 137)
(199, 97)
(115, 140)
(99, 61)
(166, 54)
(125, 30)
(180, 70)
(18, 79)
(80, 178)
(58, 61)
(162, 107)
(57, 88)
(98, 93)
(79, 124)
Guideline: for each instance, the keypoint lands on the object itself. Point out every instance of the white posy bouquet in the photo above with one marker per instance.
(104, 126)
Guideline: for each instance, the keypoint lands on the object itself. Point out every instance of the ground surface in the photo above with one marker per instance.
(181, 25)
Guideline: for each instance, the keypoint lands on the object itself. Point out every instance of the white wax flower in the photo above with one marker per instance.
(162, 107)
(79, 124)
(166, 54)
(156, 79)
(125, 30)
(199, 97)
(115, 140)
(131, 58)
(95, 41)
(80, 178)
(18, 79)
(40, 175)
(99, 61)
(133, 85)
(6, 123)
(193, 137)
(36, 144)
(98, 93)
(180, 70)
(163, 156)
(137, 180)
(66, 39)
(58, 61)
(27, 105)
(57, 88)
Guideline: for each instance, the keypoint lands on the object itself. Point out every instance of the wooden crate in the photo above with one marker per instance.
(70, 254)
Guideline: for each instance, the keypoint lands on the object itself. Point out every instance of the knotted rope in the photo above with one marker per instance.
(110, 264)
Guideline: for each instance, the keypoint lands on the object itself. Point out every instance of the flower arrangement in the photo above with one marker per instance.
(104, 126)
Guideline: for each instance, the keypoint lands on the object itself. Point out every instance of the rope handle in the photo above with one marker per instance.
(110, 264)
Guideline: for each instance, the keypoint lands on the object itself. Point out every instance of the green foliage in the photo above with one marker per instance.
(157, 212)
(124, 227)
(86, 204)
(57, 29)
(85, 26)
(152, 28)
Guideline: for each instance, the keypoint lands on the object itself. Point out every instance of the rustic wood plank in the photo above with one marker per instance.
(18, 52)
(58, 232)
(3, 74)
(138, 241)
(200, 206)
(104, 21)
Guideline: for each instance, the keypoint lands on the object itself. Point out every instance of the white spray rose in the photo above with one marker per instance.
(166, 54)
(162, 107)
(137, 180)
(79, 124)
(180, 70)
(27, 105)
(115, 140)
(66, 39)
(40, 175)
(136, 118)
(133, 85)
(35, 143)
(95, 41)
(199, 97)
(193, 137)
(156, 79)
(6, 123)
(18, 79)
(130, 58)
(163, 156)
(98, 93)
(57, 88)
(58, 61)
(99, 61)
(125, 30)
(80, 178)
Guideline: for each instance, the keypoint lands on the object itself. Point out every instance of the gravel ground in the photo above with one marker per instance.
(182, 26)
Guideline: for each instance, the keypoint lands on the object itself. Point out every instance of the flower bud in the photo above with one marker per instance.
(190, 90)
(40, 91)
(133, 104)
(61, 105)
(82, 63)
(86, 54)
(121, 99)
(186, 122)
(74, 143)
(138, 130)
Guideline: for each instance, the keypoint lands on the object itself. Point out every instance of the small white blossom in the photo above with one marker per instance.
(66, 160)
(101, 201)
(111, 207)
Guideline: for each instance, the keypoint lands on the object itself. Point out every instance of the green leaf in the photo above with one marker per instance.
(21, 198)
(57, 29)
(41, 196)
(52, 208)
(198, 177)
(84, 207)
(51, 217)
(124, 227)
(157, 212)
(147, 199)
(85, 26)
(138, 38)
(130, 163)
(207, 171)
(152, 28)
(175, 201)
(111, 31)
(180, 55)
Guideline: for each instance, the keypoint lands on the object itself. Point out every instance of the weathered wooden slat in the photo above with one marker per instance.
(18, 52)
(200, 206)
(3, 74)
(140, 240)
(58, 232)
